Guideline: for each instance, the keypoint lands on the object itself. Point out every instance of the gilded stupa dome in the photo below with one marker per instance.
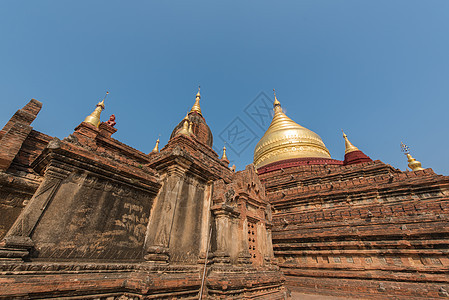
(285, 139)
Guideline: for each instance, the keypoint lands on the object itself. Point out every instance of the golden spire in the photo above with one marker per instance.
(94, 117)
(191, 127)
(276, 102)
(348, 146)
(224, 154)
(185, 126)
(285, 139)
(196, 107)
(156, 148)
(412, 163)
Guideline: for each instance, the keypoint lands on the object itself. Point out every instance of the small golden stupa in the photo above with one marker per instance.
(185, 126)
(156, 148)
(224, 157)
(94, 117)
(285, 139)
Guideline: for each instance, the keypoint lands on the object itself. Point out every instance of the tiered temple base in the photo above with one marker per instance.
(366, 230)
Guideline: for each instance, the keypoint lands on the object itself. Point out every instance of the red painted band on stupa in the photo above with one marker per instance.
(356, 157)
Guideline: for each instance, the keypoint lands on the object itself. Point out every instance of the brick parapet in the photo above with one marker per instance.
(11, 143)
(24, 116)
(325, 178)
(33, 145)
(376, 188)
(91, 139)
(16, 131)
(95, 161)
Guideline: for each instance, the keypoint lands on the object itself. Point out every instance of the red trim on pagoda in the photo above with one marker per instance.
(356, 157)
(293, 162)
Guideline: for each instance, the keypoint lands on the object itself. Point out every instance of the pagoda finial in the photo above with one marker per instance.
(276, 101)
(102, 101)
(349, 147)
(196, 107)
(412, 163)
(156, 148)
(94, 117)
(224, 158)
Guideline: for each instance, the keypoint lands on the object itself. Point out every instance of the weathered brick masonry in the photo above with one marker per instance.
(90, 217)
(366, 229)
(355, 227)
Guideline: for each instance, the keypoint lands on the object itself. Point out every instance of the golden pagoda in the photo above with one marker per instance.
(285, 139)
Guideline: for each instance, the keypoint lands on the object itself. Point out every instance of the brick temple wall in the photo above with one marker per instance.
(90, 217)
(19, 146)
(364, 229)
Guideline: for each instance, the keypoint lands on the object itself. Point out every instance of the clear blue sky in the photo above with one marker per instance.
(377, 69)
